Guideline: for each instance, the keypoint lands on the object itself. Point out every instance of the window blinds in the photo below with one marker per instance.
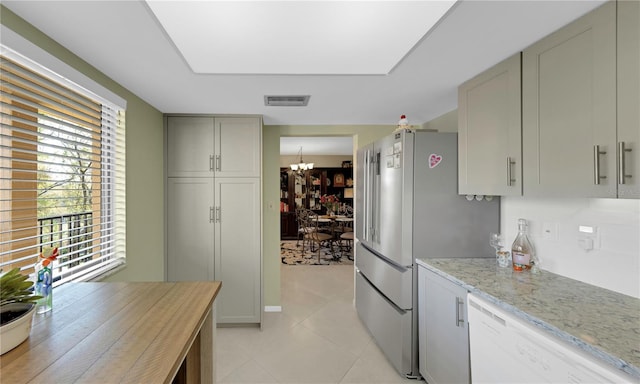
(62, 175)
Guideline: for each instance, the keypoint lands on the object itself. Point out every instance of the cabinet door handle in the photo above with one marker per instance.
(211, 214)
(211, 163)
(218, 215)
(459, 320)
(596, 164)
(622, 174)
(218, 163)
(510, 179)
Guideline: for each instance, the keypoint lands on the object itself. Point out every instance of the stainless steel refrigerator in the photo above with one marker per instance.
(408, 207)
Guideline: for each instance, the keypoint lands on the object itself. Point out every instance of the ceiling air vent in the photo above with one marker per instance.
(286, 101)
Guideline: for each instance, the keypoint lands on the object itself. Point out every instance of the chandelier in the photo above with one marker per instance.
(301, 166)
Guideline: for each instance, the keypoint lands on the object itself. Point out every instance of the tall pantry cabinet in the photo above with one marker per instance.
(214, 209)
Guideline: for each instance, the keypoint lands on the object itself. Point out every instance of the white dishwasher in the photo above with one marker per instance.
(505, 349)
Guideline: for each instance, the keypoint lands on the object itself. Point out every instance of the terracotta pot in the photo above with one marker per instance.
(17, 330)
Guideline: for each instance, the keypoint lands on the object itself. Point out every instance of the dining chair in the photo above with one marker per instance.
(312, 234)
(299, 222)
(345, 224)
(347, 237)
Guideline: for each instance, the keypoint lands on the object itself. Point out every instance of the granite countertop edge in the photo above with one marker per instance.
(538, 323)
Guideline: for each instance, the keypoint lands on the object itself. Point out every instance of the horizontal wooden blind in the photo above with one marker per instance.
(61, 175)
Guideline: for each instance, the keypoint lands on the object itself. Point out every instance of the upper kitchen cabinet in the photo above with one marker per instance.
(628, 99)
(190, 146)
(204, 146)
(569, 109)
(238, 147)
(490, 131)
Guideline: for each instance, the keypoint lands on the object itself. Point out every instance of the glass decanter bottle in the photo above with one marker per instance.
(522, 250)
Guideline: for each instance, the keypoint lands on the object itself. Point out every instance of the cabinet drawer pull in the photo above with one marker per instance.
(510, 179)
(596, 164)
(622, 174)
(459, 320)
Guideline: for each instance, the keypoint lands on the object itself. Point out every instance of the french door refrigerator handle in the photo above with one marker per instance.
(376, 197)
(365, 197)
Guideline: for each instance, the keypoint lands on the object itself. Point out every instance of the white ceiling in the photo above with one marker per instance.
(302, 38)
(126, 41)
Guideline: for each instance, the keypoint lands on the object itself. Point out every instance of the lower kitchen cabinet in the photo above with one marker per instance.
(213, 233)
(443, 330)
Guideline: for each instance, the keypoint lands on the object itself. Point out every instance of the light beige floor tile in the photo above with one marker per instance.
(252, 341)
(229, 356)
(307, 358)
(249, 373)
(300, 303)
(373, 367)
(338, 322)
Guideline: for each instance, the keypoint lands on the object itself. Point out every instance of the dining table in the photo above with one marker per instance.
(120, 332)
(334, 224)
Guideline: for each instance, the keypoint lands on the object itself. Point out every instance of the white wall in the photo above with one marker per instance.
(614, 263)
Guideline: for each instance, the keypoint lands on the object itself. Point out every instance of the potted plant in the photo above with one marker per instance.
(331, 203)
(17, 307)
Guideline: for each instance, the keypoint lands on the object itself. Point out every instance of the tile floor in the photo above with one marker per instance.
(317, 338)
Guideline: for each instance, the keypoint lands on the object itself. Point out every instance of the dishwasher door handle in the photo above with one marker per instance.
(459, 312)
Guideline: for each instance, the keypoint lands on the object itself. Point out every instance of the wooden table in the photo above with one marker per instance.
(120, 333)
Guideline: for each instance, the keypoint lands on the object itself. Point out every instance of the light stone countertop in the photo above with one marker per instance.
(601, 322)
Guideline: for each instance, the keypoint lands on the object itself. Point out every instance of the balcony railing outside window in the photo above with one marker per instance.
(71, 234)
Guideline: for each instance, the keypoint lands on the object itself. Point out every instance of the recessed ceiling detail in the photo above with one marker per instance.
(296, 37)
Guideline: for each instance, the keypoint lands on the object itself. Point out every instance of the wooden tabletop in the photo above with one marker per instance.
(114, 332)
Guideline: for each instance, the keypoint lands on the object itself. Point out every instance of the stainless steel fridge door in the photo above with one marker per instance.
(392, 198)
(390, 326)
(395, 283)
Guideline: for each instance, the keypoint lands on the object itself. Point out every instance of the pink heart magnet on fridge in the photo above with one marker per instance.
(434, 160)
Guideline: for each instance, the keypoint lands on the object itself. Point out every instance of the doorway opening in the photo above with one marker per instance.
(317, 180)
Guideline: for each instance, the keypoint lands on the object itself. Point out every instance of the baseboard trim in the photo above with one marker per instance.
(272, 308)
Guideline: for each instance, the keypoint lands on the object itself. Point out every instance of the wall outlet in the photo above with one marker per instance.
(588, 237)
(550, 231)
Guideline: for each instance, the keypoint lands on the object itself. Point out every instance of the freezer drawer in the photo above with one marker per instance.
(390, 326)
(395, 282)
